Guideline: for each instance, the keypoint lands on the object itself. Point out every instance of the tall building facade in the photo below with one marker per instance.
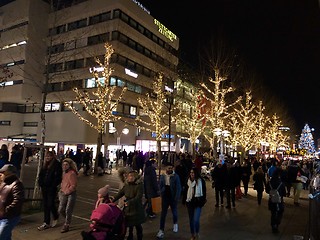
(52, 51)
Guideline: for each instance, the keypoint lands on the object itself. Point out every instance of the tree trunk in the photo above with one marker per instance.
(99, 145)
(159, 155)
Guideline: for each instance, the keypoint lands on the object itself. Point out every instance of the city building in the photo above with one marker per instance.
(49, 52)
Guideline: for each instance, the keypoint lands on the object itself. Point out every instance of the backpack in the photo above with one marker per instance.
(274, 195)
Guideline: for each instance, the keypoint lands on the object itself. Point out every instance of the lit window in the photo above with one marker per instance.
(133, 110)
(47, 107)
(55, 107)
(10, 64)
(90, 83)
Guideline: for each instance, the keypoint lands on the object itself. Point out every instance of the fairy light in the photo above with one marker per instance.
(218, 109)
(101, 102)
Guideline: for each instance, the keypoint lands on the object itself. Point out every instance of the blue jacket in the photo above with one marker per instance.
(175, 186)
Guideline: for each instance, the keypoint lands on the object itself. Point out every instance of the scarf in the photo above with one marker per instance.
(194, 189)
(167, 178)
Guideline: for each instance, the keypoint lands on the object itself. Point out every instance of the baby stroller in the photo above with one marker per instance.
(107, 223)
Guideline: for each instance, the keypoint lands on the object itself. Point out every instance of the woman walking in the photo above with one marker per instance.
(259, 183)
(67, 194)
(49, 179)
(133, 208)
(196, 194)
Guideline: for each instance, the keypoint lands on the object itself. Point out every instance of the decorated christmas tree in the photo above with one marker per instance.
(306, 140)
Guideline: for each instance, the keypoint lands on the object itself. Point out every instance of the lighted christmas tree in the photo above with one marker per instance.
(306, 140)
(101, 101)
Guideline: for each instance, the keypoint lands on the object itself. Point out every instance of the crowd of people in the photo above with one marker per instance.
(180, 181)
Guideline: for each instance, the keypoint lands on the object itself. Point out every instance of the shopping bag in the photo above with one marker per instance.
(238, 193)
(156, 204)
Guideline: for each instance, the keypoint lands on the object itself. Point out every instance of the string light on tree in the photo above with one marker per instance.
(102, 101)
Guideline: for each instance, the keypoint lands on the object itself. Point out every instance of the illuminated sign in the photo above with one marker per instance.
(130, 73)
(140, 5)
(165, 31)
(96, 69)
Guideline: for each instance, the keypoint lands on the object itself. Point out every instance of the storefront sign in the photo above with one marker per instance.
(153, 134)
(165, 31)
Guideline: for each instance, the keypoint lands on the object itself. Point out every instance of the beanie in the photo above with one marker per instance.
(104, 190)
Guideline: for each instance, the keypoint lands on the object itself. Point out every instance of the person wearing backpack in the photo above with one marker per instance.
(275, 203)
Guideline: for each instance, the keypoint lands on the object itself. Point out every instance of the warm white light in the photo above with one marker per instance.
(125, 130)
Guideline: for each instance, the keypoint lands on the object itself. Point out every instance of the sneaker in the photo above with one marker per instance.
(44, 226)
(175, 227)
(54, 223)
(160, 234)
(65, 228)
(152, 215)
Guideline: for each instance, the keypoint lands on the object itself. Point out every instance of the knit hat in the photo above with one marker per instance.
(104, 190)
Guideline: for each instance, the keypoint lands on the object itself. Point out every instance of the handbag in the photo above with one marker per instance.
(156, 204)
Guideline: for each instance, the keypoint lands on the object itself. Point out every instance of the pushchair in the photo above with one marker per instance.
(107, 223)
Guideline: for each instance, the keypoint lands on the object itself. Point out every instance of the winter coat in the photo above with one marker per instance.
(134, 211)
(175, 186)
(151, 188)
(50, 177)
(69, 182)
(232, 178)
(274, 183)
(219, 174)
(11, 196)
(259, 181)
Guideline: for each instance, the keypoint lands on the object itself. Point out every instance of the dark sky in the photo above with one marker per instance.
(278, 39)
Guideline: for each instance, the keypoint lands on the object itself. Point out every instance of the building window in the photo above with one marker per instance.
(30, 124)
(100, 18)
(5, 123)
(133, 110)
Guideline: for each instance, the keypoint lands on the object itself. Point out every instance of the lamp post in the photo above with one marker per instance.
(124, 131)
(222, 135)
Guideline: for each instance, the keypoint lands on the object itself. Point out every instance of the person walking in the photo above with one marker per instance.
(16, 157)
(67, 194)
(231, 182)
(170, 191)
(50, 177)
(245, 175)
(196, 197)
(11, 200)
(219, 176)
(276, 209)
(259, 183)
(133, 209)
(151, 187)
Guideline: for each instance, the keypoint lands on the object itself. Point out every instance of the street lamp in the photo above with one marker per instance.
(124, 131)
(222, 135)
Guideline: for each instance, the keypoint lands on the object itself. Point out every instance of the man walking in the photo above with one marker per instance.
(170, 190)
(12, 197)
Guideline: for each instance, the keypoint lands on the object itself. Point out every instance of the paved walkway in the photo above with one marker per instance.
(246, 221)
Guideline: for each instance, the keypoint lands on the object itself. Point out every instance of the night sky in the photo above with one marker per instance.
(279, 41)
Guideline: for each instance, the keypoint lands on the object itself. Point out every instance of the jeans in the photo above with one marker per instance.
(164, 209)
(194, 219)
(6, 227)
(66, 205)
